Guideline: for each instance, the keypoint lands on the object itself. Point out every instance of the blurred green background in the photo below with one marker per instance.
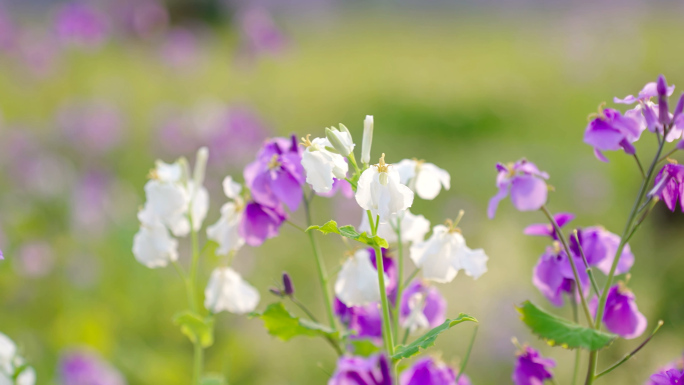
(462, 86)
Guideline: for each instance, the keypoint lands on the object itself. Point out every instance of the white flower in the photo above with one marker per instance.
(226, 231)
(231, 188)
(340, 140)
(168, 202)
(26, 377)
(413, 227)
(425, 179)
(153, 246)
(367, 142)
(227, 291)
(444, 253)
(416, 319)
(321, 165)
(8, 351)
(380, 191)
(357, 281)
(10, 362)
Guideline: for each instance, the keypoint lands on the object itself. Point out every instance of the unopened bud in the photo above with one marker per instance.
(663, 109)
(679, 108)
(275, 291)
(367, 139)
(340, 140)
(287, 285)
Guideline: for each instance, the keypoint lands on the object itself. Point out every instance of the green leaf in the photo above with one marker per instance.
(213, 379)
(350, 232)
(195, 327)
(428, 339)
(559, 331)
(364, 347)
(285, 326)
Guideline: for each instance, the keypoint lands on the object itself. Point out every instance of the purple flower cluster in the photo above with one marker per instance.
(524, 182)
(275, 180)
(531, 368)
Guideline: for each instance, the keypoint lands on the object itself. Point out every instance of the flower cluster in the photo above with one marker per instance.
(13, 368)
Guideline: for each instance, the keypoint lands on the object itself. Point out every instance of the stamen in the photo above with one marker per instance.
(382, 166)
(273, 163)
(153, 174)
(305, 141)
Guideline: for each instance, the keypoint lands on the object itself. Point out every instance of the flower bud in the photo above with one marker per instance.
(663, 109)
(340, 140)
(200, 166)
(679, 108)
(287, 284)
(275, 291)
(367, 139)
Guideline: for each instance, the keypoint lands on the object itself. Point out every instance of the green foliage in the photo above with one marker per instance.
(213, 379)
(428, 339)
(196, 327)
(559, 331)
(283, 325)
(364, 347)
(351, 233)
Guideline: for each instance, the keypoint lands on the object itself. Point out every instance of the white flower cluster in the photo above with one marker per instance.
(13, 368)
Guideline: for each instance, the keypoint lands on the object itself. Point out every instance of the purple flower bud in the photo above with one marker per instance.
(547, 230)
(661, 86)
(679, 108)
(524, 182)
(621, 314)
(275, 291)
(553, 275)
(531, 368)
(373, 370)
(287, 285)
(663, 108)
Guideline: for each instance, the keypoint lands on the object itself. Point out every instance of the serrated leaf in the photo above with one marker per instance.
(559, 331)
(350, 232)
(364, 347)
(285, 326)
(428, 339)
(213, 379)
(195, 327)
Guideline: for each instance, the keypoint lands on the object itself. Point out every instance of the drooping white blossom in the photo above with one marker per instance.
(425, 179)
(153, 246)
(380, 191)
(322, 165)
(445, 253)
(416, 319)
(226, 230)
(357, 281)
(340, 140)
(367, 141)
(413, 227)
(227, 291)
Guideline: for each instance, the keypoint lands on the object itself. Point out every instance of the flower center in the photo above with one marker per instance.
(382, 166)
(273, 163)
(153, 174)
(305, 141)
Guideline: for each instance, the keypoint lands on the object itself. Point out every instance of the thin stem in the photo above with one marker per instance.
(627, 232)
(400, 287)
(575, 317)
(578, 284)
(289, 222)
(303, 308)
(664, 158)
(371, 223)
(352, 160)
(467, 355)
(641, 168)
(633, 352)
(590, 272)
(387, 327)
(406, 336)
(198, 363)
(322, 275)
(410, 277)
(191, 284)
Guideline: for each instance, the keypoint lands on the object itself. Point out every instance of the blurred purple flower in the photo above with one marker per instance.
(373, 370)
(669, 377)
(181, 49)
(38, 54)
(524, 182)
(95, 127)
(80, 24)
(621, 314)
(547, 230)
(600, 246)
(650, 90)
(8, 31)
(553, 275)
(144, 18)
(531, 368)
(260, 33)
(35, 259)
(90, 202)
(669, 186)
(82, 367)
(261, 222)
(434, 305)
(277, 175)
(611, 131)
(364, 321)
(428, 371)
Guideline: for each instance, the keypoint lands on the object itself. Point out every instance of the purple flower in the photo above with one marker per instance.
(181, 49)
(261, 222)
(599, 246)
(95, 127)
(553, 275)
(650, 90)
(80, 24)
(364, 321)
(277, 174)
(611, 131)
(621, 315)
(373, 370)
(669, 186)
(428, 371)
(547, 230)
(434, 305)
(664, 375)
(260, 33)
(86, 368)
(524, 182)
(531, 368)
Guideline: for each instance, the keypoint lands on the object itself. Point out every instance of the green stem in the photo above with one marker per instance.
(632, 353)
(191, 284)
(578, 284)
(626, 233)
(575, 317)
(467, 355)
(641, 168)
(590, 272)
(664, 157)
(198, 363)
(400, 275)
(331, 341)
(352, 160)
(410, 277)
(322, 275)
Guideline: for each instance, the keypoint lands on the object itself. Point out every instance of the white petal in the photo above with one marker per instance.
(231, 188)
(357, 282)
(473, 262)
(167, 201)
(436, 256)
(200, 207)
(429, 181)
(322, 166)
(8, 350)
(154, 247)
(406, 169)
(169, 173)
(226, 231)
(227, 291)
(26, 377)
(363, 194)
(413, 227)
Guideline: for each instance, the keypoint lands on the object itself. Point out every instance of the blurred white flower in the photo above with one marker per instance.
(322, 165)
(153, 246)
(8, 350)
(416, 320)
(226, 230)
(11, 363)
(227, 291)
(444, 253)
(380, 191)
(425, 179)
(357, 281)
(413, 227)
